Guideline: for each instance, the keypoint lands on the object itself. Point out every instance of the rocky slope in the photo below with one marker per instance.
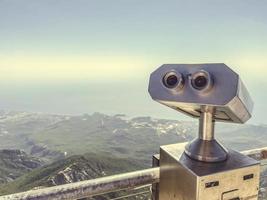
(15, 163)
(72, 169)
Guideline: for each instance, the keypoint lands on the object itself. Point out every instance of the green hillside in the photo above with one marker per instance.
(15, 163)
(72, 169)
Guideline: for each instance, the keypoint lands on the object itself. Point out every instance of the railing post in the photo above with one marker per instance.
(155, 186)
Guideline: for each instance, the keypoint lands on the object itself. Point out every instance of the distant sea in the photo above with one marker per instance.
(81, 97)
(78, 97)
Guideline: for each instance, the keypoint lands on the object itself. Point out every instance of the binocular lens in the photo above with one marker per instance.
(173, 80)
(201, 80)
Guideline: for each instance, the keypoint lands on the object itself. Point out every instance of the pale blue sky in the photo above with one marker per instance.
(52, 47)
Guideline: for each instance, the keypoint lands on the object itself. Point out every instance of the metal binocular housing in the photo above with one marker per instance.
(210, 92)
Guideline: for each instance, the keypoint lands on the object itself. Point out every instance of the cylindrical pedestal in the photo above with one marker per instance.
(205, 147)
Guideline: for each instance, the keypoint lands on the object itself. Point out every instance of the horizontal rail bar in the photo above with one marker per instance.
(105, 185)
(131, 195)
(92, 187)
(258, 154)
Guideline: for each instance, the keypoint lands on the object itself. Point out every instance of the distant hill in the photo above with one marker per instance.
(112, 143)
(72, 169)
(54, 137)
(15, 163)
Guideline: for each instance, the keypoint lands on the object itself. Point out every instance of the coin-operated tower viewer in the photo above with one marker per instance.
(204, 169)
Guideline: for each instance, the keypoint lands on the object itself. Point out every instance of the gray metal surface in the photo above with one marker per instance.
(206, 150)
(257, 154)
(184, 178)
(90, 188)
(206, 123)
(208, 91)
(235, 160)
(205, 147)
(155, 186)
(228, 94)
(175, 182)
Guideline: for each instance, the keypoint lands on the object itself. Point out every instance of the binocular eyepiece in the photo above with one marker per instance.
(200, 80)
(173, 80)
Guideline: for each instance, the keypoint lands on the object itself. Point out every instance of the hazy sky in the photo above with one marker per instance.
(63, 55)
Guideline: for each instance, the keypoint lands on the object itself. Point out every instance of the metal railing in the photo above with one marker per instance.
(106, 185)
(90, 188)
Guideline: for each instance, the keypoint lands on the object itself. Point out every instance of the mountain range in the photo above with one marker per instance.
(58, 149)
